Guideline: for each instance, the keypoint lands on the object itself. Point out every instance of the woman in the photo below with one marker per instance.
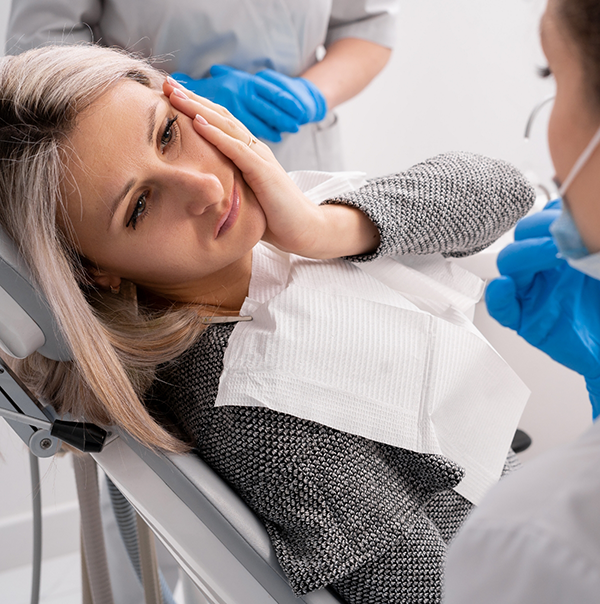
(139, 208)
(536, 537)
(257, 58)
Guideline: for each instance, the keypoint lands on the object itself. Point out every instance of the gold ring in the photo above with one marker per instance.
(251, 141)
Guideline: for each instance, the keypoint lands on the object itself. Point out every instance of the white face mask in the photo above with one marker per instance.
(564, 230)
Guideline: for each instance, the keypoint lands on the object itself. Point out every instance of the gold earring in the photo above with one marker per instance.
(115, 290)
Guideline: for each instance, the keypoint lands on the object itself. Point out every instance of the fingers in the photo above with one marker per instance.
(231, 146)
(222, 70)
(536, 225)
(523, 259)
(253, 158)
(277, 97)
(259, 117)
(305, 92)
(217, 126)
(291, 218)
(178, 80)
(293, 222)
(271, 115)
(259, 128)
(270, 75)
(192, 105)
(274, 87)
(275, 106)
(502, 302)
(169, 87)
(555, 204)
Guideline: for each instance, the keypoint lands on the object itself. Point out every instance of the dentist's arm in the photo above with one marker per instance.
(359, 42)
(348, 67)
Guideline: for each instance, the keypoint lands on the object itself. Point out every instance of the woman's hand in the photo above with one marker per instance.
(294, 223)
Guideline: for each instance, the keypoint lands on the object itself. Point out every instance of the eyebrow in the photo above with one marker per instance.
(125, 190)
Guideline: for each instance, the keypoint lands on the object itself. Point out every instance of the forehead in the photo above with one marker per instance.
(123, 114)
(108, 143)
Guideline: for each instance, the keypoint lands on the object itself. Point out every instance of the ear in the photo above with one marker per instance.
(104, 279)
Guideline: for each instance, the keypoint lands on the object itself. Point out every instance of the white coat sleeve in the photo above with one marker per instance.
(36, 22)
(503, 563)
(372, 20)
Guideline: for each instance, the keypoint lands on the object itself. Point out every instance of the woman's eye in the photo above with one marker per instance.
(138, 210)
(169, 134)
(544, 72)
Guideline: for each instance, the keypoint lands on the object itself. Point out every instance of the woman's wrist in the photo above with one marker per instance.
(346, 231)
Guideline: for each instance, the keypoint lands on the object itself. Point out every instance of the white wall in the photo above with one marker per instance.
(461, 78)
(59, 501)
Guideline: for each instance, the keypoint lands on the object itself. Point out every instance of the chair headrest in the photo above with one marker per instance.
(26, 322)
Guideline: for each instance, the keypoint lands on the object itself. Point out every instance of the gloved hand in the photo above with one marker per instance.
(550, 304)
(303, 90)
(264, 108)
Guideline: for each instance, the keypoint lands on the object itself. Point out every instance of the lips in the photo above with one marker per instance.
(230, 215)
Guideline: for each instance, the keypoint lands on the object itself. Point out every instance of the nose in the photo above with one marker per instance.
(198, 190)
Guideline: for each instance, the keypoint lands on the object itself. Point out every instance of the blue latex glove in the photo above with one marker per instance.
(303, 90)
(550, 304)
(264, 108)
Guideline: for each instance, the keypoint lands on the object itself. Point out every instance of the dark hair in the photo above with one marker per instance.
(582, 19)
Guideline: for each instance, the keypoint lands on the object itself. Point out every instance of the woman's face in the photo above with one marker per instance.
(573, 123)
(150, 201)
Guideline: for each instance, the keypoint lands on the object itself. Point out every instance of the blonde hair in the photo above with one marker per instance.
(115, 346)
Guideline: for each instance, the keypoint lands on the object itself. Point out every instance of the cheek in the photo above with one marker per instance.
(558, 143)
(571, 125)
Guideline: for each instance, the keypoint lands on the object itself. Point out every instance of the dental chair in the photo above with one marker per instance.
(218, 541)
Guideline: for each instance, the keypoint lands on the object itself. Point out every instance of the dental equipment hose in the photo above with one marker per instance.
(86, 477)
(36, 494)
(126, 519)
(148, 563)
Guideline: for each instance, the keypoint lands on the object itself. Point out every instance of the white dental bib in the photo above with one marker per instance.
(383, 350)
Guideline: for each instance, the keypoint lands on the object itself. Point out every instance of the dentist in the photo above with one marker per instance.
(536, 537)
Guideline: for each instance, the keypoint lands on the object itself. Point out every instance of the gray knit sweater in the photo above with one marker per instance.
(369, 519)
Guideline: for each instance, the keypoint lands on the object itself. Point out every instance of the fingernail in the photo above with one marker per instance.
(173, 82)
(201, 120)
(180, 93)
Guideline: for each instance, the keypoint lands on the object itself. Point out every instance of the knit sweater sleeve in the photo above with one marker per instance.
(455, 204)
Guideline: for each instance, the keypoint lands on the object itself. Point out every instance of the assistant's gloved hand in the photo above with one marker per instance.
(553, 306)
(304, 91)
(263, 107)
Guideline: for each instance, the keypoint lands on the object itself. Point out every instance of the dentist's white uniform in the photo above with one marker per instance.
(193, 35)
(535, 539)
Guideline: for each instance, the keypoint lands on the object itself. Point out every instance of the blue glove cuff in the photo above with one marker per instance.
(320, 102)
